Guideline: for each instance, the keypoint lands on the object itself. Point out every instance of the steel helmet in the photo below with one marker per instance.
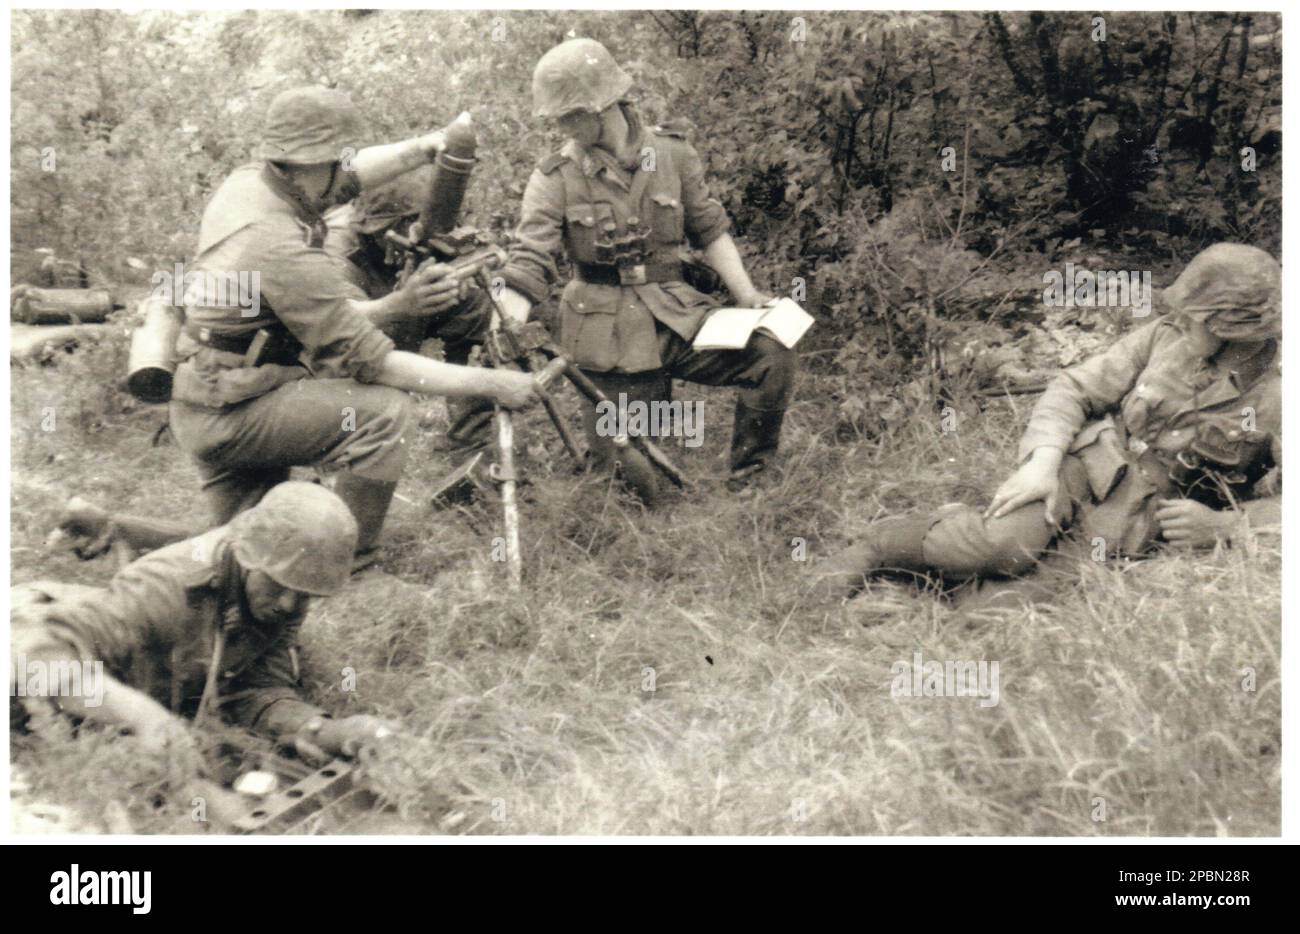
(1234, 288)
(310, 126)
(577, 75)
(301, 535)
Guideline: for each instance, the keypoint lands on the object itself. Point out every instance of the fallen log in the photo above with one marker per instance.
(31, 305)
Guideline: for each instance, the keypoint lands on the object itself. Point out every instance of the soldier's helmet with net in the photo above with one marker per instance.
(301, 535)
(1234, 288)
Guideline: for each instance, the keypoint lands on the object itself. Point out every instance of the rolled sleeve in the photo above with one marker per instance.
(265, 697)
(531, 268)
(310, 295)
(704, 217)
(1086, 391)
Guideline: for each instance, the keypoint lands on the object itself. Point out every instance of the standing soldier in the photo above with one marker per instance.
(619, 199)
(1165, 436)
(208, 623)
(301, 375)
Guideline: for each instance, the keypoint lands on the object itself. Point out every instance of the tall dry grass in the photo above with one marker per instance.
(659, 675)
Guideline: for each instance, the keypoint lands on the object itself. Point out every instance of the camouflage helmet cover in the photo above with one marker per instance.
(301, 535)
(1234, 288)
(577, 75)
(310, 126)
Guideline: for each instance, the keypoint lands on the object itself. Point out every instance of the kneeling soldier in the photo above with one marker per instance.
(301, 375)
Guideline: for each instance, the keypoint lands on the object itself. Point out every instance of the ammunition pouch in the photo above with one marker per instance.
(701, 278)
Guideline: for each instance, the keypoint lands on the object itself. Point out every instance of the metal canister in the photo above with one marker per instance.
(32, 305)
(152, 360)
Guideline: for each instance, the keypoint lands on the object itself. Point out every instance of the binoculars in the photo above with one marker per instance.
(627, 252)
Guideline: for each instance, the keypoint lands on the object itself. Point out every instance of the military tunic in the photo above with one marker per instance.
(245, 425)
(153, 628)
(634, 339)
(1142, 421)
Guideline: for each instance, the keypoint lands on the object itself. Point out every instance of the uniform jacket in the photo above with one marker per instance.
(570, 197)
(368, 279)
(153, 628)
(1147, 419)
(257, 223)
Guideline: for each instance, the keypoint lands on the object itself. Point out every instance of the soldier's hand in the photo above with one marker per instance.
(431, 291)
(1186, 523)
(754, 299)
(432, 143)
(1037, 479)
(514, 390)
(84, 527)
(348, 736)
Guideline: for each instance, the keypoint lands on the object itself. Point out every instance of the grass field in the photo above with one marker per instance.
(659, 674)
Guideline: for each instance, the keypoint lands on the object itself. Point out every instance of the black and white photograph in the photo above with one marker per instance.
(661, 423)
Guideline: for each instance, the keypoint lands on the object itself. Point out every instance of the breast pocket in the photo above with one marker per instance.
(666, 219)
(583, 223)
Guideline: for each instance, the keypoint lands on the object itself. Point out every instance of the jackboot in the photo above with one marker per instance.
(755, 436)
(893, 544)
(369, 501)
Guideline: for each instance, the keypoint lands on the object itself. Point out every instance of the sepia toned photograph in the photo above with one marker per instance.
(645, 423)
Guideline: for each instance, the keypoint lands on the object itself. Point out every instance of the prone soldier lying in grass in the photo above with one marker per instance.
(206, 624)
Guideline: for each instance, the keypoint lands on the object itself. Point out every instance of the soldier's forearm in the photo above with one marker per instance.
(100, 697)
(414, 373)
(376, 165)
(723, 256)
(386, 311)
(284, 716)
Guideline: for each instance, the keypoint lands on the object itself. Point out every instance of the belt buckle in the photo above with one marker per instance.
(632, 274)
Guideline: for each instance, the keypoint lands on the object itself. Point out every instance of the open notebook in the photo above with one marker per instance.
(731, 328)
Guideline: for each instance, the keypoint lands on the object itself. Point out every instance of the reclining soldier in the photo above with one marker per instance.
(216, 615)
(304, 375)
(1162, 439)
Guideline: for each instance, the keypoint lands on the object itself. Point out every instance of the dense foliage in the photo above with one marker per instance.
(905, 169)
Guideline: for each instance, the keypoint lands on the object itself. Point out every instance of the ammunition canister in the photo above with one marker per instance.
(61, 306)
(152, 360)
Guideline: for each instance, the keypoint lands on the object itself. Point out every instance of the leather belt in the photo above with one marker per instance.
(280, 346)
(601, 274)
(229, 343)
